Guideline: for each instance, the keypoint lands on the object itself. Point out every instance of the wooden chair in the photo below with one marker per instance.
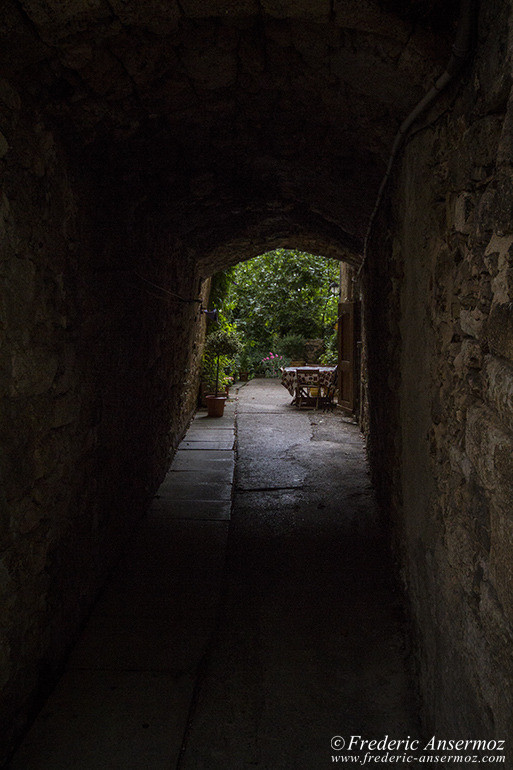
(305, 382)
(327, 393)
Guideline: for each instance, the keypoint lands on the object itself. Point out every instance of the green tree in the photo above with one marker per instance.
(282, 293)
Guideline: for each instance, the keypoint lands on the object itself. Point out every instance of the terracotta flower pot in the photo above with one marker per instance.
(215, 405)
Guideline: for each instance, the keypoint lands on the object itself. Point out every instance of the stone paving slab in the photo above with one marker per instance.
(202, 510)
(219, 444)
(210, 459)
(211, 434)
(176, 488)
(217, 473)
(111, 719)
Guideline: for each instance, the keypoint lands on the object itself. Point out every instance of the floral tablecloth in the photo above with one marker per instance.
(314, 376)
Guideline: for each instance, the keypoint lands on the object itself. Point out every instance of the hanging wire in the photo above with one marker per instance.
(176, 297)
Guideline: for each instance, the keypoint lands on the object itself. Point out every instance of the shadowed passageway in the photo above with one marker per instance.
(145, 146)
(308, 643)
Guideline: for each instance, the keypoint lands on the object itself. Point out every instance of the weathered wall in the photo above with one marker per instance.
(195, 133)
(97, 383)
(439, 311)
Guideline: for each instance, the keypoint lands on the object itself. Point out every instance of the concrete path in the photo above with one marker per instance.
(310, 643)
(307, 644)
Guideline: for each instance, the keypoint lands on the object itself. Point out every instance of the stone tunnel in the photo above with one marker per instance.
(145, 146)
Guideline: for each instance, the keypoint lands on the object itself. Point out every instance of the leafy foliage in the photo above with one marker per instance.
(282, 293)
(220, 287)
(292, 346)
(221, 346)
(209, 375)
(222, 342)
(273, 302)
(330, 355)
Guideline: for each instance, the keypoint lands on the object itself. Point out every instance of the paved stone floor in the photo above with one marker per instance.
(245, 644)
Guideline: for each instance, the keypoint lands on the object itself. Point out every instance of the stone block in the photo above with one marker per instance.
(469, 357)
(485, 212)
(472, 321)
(223, 8)
(503, 214)
(33, 371)
(170, 509)
(498, 382)
(498, 253)
(490, 450)
(460, 463)
(460, 549)
(499, 330)
(462, 214)
(299, 9)
(501, 559)
(474, 155)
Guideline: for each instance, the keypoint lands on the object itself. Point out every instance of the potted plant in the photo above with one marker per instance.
(219, 343)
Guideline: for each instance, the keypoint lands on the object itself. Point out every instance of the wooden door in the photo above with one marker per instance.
(347, 359)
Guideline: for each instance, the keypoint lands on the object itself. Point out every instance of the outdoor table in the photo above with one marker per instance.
(313, 376)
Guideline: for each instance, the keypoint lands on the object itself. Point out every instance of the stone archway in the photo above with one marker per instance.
(168, 140)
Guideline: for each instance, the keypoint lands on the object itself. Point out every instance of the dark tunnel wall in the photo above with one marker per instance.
(438, 288)
(98, 383)
(167, 141)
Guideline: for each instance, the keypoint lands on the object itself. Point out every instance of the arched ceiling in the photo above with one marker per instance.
(233, 112)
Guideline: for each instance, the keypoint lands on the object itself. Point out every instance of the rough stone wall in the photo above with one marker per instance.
(440, 311)
(85, 348)
(202, 132)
